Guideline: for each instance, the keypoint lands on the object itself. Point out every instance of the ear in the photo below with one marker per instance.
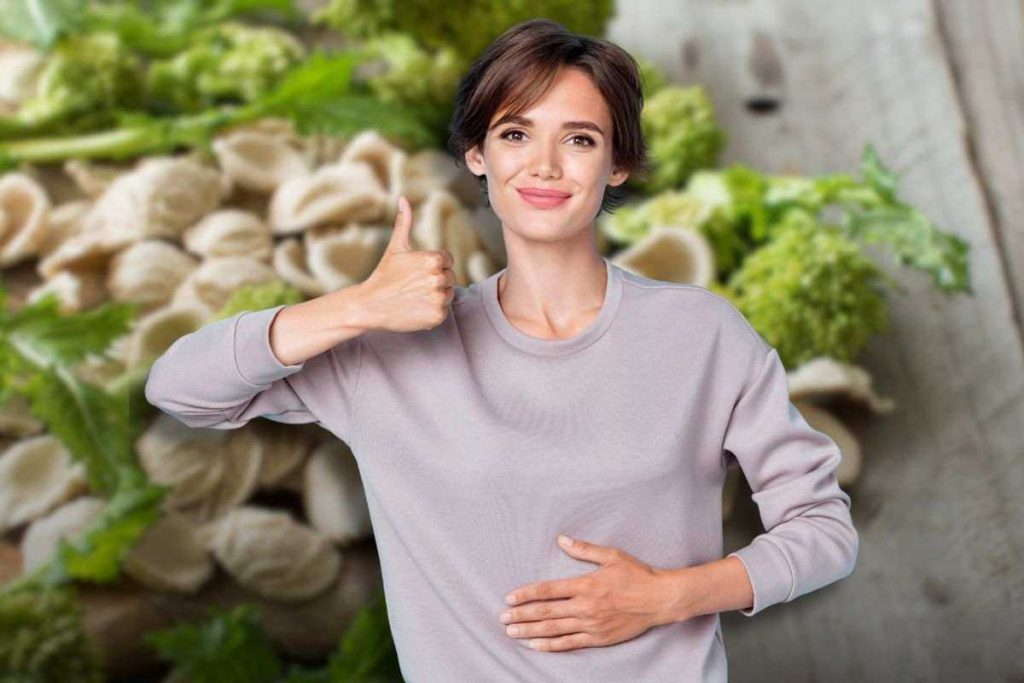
(475, 160)
(618, 177)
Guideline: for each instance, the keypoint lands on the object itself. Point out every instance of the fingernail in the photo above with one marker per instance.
(564, 540)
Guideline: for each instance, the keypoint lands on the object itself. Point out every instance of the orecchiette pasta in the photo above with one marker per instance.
(488, 229)
(333, 494)
(434, 169)
(92, 179)
(258, 161)
(386, 159)
(337, 193)
(156, 331)
(36, 474)
(823, 421)
(320, 149)
(211, 284)
(78, 290)
(230, 232)
(479, 266)
(65, 222)
(671, 253)
(291, 264)
(443, 223)
(89, 249)
(284, 448)
(347, 256)
(66, 522)
(209, 471)
(159, 198)
(170, 556)
(272, 554)
(826, 379)
(149, 272)
(24, 217)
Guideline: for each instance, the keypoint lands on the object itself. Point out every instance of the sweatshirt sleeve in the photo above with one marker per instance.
(810, 540)
(224, 374)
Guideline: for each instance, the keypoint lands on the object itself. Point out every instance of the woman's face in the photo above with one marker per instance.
(537, 151)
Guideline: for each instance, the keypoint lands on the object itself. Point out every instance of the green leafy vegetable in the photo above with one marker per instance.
(366, 653)
(40, 23)
(739, 209)
(39, 349)
(229, 62)
(230, 646)
(42, 640)
(40, 346)
(317, 95)
(259, 296)
(682, 135)
(151, 27)
(83, 81)
(412, 75)
(632, 222)
(468, 27)
(811, 292)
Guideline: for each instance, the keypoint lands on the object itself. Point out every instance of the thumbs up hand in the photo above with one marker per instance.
(409, 289)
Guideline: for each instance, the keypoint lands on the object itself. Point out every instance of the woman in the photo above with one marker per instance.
(561, 395)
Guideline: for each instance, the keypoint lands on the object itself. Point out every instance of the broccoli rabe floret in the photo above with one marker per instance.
(810, 292)
(83, 80)
(42, 639)
(229, 62)
(468, 27)
(256, 297)
(410, 74)
(632, 222)
(682, 136)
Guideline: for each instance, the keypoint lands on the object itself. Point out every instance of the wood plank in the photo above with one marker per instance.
(939, 506)
(985, 43)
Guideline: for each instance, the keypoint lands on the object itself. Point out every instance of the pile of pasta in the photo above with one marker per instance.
(178, 235)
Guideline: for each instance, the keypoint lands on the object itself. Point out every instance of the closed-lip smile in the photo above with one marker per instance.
(538, 192)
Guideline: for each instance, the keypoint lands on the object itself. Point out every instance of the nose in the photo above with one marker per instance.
(544, 163)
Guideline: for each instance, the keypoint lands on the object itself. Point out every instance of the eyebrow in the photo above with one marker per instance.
(523, 121)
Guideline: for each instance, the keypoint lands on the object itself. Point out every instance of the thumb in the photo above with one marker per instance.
(403, 227)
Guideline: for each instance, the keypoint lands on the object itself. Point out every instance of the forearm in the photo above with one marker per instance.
(301, 331)
(717, 586)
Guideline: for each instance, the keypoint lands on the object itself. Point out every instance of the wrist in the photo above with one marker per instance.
(675, 595)
(351, 314)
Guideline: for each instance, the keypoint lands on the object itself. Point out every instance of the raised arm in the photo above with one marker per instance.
(228, 372)
(301, 363)
(810, 540)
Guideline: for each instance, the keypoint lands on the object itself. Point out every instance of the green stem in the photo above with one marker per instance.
(128, 142)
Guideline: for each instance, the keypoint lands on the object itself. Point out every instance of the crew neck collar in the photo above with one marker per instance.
(554, 347)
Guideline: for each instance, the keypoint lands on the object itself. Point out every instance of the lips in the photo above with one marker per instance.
(543, 201)
(538, 192)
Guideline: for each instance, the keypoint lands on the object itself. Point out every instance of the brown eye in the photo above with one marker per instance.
(590, 140)
(504, 136)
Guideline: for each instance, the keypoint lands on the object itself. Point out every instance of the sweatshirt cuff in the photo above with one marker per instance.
(769, 572)
(254, 359)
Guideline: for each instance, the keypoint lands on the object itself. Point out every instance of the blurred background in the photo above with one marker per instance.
(848, 174)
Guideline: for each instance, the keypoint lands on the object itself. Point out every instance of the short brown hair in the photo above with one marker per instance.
(520, 66)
